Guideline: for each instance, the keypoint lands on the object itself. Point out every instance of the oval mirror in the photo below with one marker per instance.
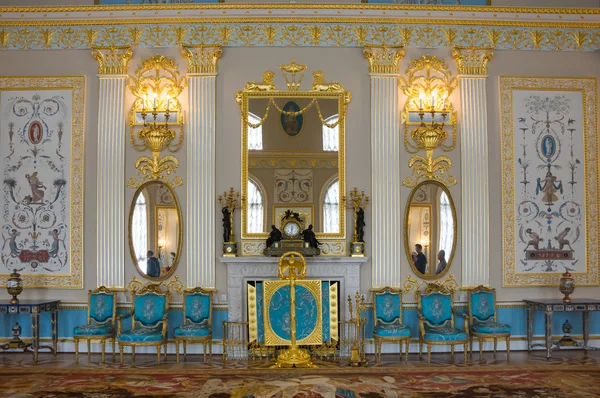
(155, 230)
(430, 230)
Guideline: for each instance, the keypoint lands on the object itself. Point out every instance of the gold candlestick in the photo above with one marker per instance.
(229, 201)
(358, 203)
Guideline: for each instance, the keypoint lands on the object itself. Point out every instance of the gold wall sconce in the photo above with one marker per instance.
(427, 114)
(156, 86)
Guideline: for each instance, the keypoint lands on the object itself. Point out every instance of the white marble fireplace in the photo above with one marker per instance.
(346, 270)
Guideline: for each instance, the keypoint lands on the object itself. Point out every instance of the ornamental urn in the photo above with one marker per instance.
(567, 285)
(14, 285)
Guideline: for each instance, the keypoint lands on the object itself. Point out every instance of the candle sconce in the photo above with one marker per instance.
(229, 201)
(156, 86)
(427, 115)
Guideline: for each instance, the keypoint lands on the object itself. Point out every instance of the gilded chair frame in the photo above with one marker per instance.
(483, 336)
(101, 339)
(379, 340)
(205, 340)
(151, 288)
(437, 288)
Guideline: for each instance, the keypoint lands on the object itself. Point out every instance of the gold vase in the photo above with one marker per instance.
(567, 285)
(14, 285)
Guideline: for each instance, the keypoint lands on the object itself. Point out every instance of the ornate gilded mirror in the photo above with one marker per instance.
(155, 230)
(293, 154)
(430, 230)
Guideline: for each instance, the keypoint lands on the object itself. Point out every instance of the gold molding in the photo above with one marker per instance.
(112, 60)
(472, 60)
(384, 59)
(202, 59)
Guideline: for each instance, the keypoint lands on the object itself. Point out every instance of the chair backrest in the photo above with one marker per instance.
(436, 304)
(387, 303)
(482, 304)
(197, 305)
(150, 305)
(102, 305)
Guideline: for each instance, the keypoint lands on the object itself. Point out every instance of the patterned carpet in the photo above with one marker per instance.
(581, 382)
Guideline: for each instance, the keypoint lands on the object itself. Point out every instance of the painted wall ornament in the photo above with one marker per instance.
(42, 201)
(550, 213)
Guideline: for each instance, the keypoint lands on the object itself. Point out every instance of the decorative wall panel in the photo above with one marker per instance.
(293, 186)
(41, 132)
(550, 180)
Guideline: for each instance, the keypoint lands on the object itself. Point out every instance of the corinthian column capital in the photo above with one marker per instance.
(112, 60)
(384, 59)
(202, 59)
(472, 60)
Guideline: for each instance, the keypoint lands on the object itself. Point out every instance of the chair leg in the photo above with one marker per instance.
(495, 345)
(465, 352)
(166, 346)
(507, 348)
(121, 353)
(480, 347)
(452, 352)
(184, 350)
(89, 344)
(407, 348)
(377, 351)
(420, 349)
(177, 349)
(471, 343)
(133, 353)
(114, 340)
(210, 349)
(103, 351)
(77, 350)
(158, 352)
(428, 353)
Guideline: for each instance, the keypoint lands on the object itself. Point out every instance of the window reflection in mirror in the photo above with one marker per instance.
(293, 162)
(430, 230)
(155, 230)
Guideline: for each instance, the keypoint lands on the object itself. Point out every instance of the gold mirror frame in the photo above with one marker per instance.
(179, 230)
(407, 248)
(320, 90)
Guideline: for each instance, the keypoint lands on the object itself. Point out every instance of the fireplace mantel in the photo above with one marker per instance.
(243, 269)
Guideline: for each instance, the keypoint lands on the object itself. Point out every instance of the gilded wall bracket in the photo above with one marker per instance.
(427, 115)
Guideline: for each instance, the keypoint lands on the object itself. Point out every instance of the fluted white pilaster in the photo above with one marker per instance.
(385, 175)
(110, 181)
(385, 164)
(200, 219)
(474, 180)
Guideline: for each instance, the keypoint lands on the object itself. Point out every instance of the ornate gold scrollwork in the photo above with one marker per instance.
(156, 85)
(173, 286)
(428, 86)
(384, 59)
(112, 60)
(202, 59)
(472, 60)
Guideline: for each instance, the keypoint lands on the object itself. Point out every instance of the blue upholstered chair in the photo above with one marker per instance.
(149, 321)
(436, 320)
(102, 309)
(388, 328)
(483, 319)
(197, 321)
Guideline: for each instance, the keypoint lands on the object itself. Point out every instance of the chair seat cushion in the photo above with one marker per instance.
(94, 330)
(193, 330)
(490, 328)
(141, 335)
(444, 334)
(391, 330)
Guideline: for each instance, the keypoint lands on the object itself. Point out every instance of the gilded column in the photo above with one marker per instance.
(110, 222)
(385, 164)
(472, 71)
(201, 198)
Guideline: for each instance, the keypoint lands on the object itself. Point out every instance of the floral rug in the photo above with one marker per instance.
(582, 381)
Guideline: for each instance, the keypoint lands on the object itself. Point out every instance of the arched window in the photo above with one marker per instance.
(255, 207)
(255, 139)
(331, 136)
(139, 230)
(331, 207)
(446, 225)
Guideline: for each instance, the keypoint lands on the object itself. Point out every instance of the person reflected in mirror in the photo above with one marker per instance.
(226, 224)
(274, 236)
(360, 225)
(152, 265)
(419, 259)
(442, 262)
(309, 236)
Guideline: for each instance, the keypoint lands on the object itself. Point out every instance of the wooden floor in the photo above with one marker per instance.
(216, 364)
